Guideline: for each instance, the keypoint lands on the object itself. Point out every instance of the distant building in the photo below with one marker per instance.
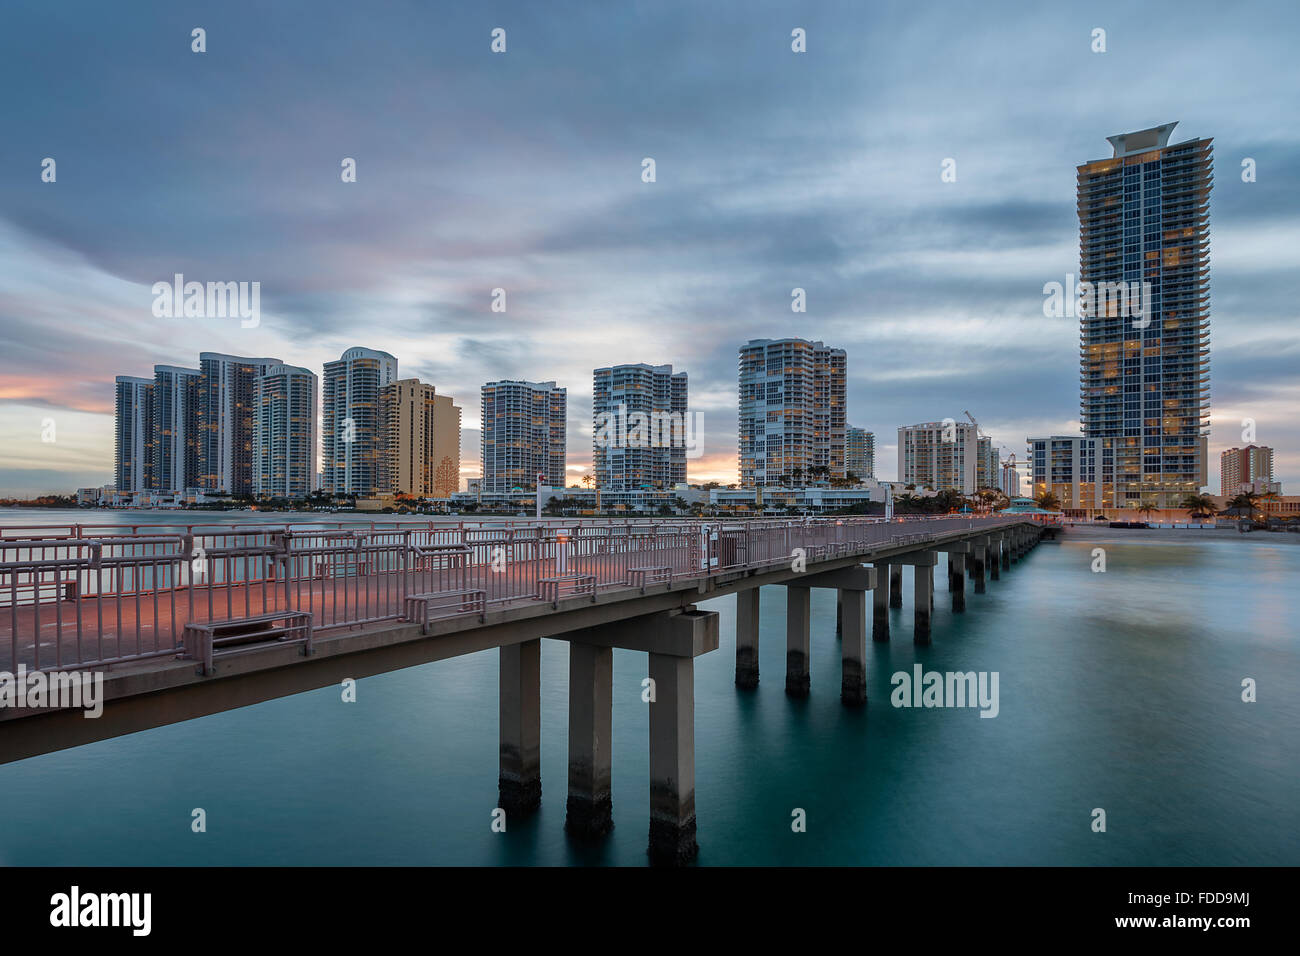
(176, 438)
(859, 453)
(803, 500)
(224, 418)
(940, 455)
(792, 412)
(352, 434)
(88, 497)
(639, 420)
(524, 434)
(422, 440)
(1010, 480)
(1246, 469)
(988, 466)
(133, 434)
(581, 500)
(284, 434)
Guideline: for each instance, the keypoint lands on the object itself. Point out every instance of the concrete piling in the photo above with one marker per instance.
(797, 644)
(520, 781)
(591, 676)
(747, 617)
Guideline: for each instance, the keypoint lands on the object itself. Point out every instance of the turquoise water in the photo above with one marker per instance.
(1119, 690)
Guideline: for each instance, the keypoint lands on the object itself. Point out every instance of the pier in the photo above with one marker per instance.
(195, 620)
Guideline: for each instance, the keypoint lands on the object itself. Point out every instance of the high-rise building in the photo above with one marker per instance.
(792, 412)
(224, 418)
(942, 455)
(422, 440)
(284, 432)
(1010, 483)
(176, 438)
(988, 465)
(859, 453)
(1246, 469)
(639, 421)
(1080, 472)
(524, 435)
(133, 434)
(353, 437)
(1144, 223)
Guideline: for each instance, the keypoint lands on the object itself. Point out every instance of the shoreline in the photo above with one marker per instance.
(1095, 533)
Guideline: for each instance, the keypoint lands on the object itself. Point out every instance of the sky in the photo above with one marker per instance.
(522, 170)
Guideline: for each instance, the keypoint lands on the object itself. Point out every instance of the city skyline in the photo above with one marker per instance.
(776, 180)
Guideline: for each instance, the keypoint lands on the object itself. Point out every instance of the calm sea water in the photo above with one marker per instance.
(1119, 690)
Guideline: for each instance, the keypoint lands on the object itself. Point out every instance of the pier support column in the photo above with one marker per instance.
(1015, 546)
(921, 586)
(839, 614)
(880, 603)
(895, 585)
(995, 557)
(853, 683)
(957, 580)
(747, 618)
(672, 760)
(1005, 548)
(520, 781)
(672, 640)
(797, 645)
(591, 679)
(977, 564)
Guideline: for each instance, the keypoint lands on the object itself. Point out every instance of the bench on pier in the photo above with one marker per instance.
(550, 589)
(437, 557)
(903, 539)
(640, 577)
(420, 606)
(207, 640)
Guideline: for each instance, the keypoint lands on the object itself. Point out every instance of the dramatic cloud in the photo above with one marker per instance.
(522, 171)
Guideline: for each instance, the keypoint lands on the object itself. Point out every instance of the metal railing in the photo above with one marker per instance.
(93, 596)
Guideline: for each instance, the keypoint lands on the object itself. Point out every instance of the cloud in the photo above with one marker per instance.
(522, 171)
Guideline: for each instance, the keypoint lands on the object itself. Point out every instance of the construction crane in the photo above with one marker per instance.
(979, 432)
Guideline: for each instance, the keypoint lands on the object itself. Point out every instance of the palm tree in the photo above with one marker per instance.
(589, 479)
(1146, 507)
(1048, 501)
(1247, 502)
(1199, 506)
